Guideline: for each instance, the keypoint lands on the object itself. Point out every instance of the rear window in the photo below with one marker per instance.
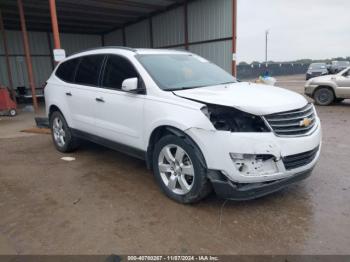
(67, 69)
(89, 70)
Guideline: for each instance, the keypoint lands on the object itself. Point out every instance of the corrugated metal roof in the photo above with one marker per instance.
(83, 16)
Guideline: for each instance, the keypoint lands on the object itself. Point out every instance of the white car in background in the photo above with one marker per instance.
(196, 127)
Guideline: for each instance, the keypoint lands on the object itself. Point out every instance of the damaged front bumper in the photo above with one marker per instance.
(255, 164)
(227, 189)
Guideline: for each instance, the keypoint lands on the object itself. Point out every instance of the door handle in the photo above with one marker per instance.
(100, 99)
(68, 94)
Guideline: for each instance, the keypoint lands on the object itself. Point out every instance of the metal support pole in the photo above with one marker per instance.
(266, 42)
(8, 65)
(27, 54)
(55, 31)
(151, 31)
(186, 24)
(234, 38)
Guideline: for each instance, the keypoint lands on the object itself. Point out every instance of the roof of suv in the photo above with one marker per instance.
(128, 49)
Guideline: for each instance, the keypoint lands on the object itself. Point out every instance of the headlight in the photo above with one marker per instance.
(230, 119)
(309, 82)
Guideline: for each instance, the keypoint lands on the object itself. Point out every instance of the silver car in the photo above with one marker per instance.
(316, 69)
(330, 88)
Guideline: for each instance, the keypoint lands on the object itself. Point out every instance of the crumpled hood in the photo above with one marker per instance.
(252, 98)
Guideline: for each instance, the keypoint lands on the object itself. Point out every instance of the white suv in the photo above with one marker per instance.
(195, 125)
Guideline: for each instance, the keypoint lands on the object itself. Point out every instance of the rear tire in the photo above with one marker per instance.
(62, 136)
(324, 96)
(179, 171)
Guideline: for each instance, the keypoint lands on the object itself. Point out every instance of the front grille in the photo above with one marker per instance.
(292, 123)
(299, 160)
(316, 73)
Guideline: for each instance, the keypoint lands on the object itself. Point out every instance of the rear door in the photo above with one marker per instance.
(119, 114)
(82, 93)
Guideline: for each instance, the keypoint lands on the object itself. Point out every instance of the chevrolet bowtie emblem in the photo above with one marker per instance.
(305, 122)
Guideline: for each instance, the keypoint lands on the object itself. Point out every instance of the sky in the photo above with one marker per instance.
(315, 29)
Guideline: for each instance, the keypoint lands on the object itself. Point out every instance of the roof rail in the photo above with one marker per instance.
(106, 47)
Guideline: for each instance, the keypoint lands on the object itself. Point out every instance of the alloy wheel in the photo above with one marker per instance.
(58, 132)
(176, 169)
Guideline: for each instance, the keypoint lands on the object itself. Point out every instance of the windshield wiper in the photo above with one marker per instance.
(231, 82)
(183, 88)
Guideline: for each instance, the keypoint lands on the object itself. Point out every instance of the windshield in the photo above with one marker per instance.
(183, 71)
(317, 66)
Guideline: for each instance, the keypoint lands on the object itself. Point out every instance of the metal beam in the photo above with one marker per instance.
(27, 54)
(65, 29)
(134, 4)
(71, 8)
(234, 38)
(38, 21)
(186, 24)
(115, 5)
(151, 31)
(8, 65)
(54, 22)
(39, 14)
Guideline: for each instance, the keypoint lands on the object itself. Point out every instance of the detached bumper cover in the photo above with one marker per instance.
(232, 191)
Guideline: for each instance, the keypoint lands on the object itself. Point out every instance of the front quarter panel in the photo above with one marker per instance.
(314, 83)
(182, 115)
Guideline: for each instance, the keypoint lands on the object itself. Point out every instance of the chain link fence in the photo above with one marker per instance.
(276, 69)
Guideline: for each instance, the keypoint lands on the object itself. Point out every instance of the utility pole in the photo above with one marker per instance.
(266, 43)
(234, 38)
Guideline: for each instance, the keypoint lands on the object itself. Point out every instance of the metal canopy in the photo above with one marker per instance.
(83, 16)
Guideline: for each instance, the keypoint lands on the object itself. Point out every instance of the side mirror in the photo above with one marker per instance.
(130, 84)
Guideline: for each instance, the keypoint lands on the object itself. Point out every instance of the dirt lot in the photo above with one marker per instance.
(105, 202)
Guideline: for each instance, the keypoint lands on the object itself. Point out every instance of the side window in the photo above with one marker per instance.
(67, 69)
(89, 70)
(117, 69)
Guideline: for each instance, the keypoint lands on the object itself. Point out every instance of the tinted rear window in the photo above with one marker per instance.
(67, 69)
(89, 70)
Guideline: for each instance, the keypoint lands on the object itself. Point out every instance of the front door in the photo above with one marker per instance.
(119, 114)
(343, 83)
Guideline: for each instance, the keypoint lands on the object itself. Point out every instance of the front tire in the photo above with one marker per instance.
(179, 171)
(62, 136)
(324, 96)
